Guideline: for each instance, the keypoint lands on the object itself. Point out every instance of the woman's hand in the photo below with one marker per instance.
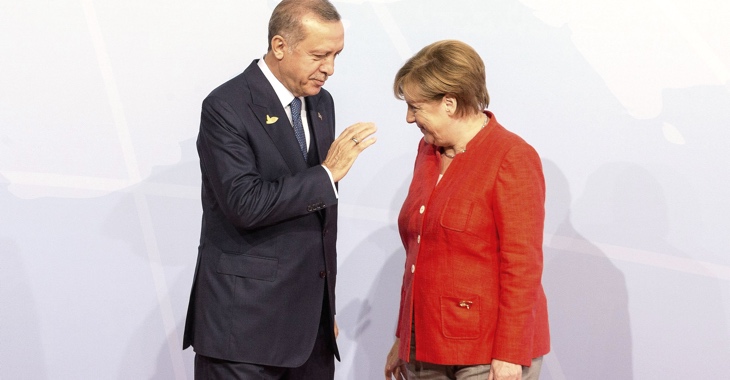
(504, 371)
(394, 366)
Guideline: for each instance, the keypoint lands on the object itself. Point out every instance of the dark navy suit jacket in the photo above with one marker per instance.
(267, 246)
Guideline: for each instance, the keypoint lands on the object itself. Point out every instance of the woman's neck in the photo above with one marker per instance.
(466, 130)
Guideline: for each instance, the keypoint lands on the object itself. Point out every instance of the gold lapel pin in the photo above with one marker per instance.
(271, 120)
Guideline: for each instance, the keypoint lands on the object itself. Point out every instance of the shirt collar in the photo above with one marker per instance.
(285, 96)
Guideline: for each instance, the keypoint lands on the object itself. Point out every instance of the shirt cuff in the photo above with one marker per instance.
(332, 181)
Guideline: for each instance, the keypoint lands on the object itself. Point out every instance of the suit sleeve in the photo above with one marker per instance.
(520, 213)
(230, 168)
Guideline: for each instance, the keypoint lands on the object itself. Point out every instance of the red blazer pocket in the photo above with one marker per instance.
(460, 317)
(456, 214)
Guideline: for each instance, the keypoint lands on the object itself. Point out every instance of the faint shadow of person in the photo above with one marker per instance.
(21, 344)
(369, 324)
(171, 194)
(376, 318)
(587, 297)
(677, 301)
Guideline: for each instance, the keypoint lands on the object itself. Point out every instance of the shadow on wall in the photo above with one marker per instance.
(587, 298)
(371, 322)
(677, 312)
(150, 338)
(171, 198)
(20, 351)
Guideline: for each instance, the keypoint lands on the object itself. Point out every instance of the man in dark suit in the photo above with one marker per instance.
(263, 298)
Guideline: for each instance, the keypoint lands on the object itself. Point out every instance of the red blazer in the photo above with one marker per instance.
(474, 254)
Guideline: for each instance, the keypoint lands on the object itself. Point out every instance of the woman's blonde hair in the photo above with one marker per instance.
(445, 67)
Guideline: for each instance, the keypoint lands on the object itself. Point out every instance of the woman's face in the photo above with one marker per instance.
(432, 118)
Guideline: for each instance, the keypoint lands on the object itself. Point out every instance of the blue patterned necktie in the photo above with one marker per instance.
(296, 117)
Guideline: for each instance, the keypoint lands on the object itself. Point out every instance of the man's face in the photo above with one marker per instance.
(305, 67)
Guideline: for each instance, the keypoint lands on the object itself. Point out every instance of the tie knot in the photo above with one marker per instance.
(296, 106)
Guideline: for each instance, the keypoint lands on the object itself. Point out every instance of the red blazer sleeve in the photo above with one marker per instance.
(519, 214)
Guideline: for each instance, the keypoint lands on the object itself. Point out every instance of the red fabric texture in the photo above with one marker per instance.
(474, 254)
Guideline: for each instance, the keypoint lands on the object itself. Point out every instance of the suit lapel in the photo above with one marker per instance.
(318, 121)
(320, 133)
(273, 119)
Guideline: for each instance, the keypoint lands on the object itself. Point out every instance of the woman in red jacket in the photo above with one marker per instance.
(472, 227)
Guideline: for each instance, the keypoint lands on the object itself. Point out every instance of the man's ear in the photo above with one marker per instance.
(278, 45)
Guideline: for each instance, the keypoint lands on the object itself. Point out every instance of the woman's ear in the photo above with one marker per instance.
(450, 104)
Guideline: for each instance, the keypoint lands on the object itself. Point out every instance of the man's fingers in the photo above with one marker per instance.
(347, 147)
(364, 144)
(358, 136)
(359, 131)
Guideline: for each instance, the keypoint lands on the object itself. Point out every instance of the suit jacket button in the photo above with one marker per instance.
(323, 274)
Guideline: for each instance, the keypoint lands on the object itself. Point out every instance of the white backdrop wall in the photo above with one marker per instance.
(627, 101)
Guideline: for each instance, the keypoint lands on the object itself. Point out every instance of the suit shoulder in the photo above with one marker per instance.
(239, 88)
(324, 95)
(324, 99)
(233, 88)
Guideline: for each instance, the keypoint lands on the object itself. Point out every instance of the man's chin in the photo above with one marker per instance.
(313, 90)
